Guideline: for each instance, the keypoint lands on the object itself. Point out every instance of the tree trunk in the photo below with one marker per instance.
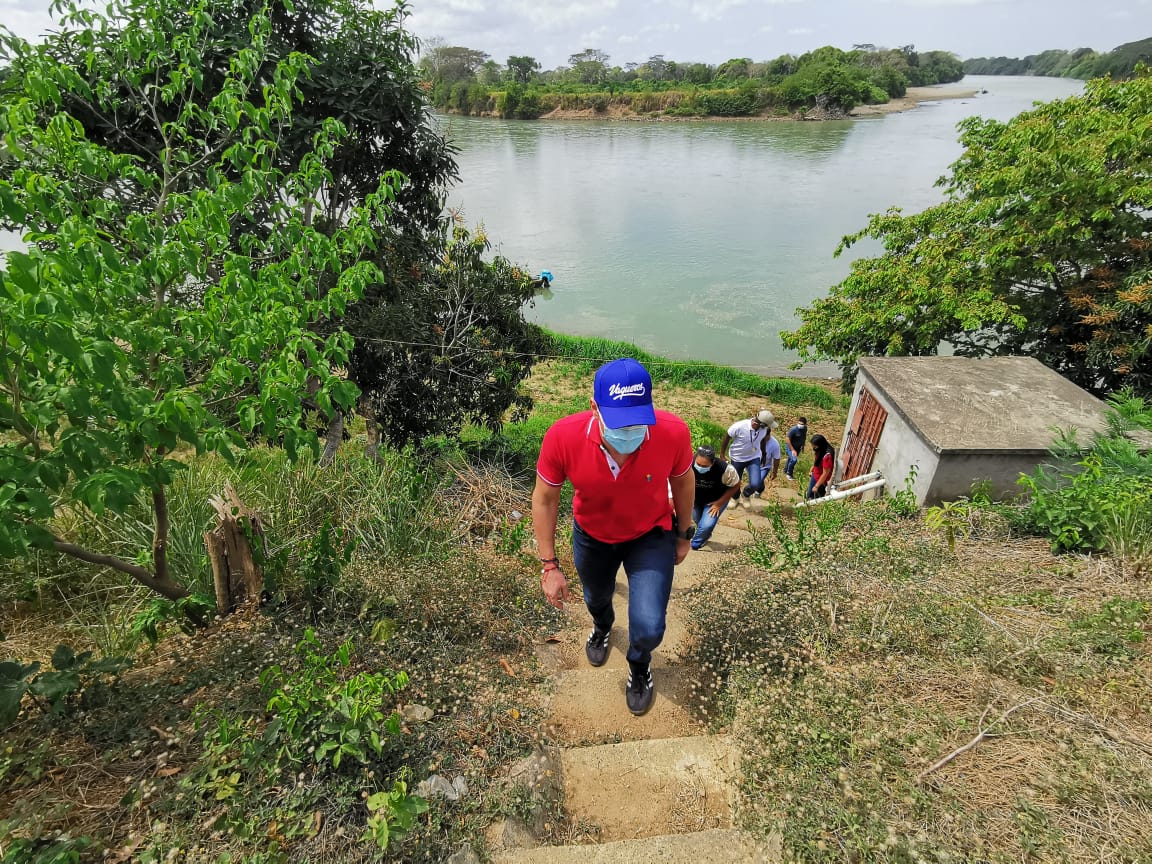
(332, 440)
(372, 449)
(237, 577)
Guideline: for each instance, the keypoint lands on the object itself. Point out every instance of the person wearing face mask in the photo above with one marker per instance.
(753, 448)
(717, 483)
(621, 457)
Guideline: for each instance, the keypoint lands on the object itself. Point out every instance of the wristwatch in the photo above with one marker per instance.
(688, 533)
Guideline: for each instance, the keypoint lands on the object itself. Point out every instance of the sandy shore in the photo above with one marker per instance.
(913, 98)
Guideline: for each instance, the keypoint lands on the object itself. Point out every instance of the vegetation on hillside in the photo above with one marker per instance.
(414, 562)
(226, 245)
(467, 81)
(1084, 63)
(895, 699)
(1040, 248)
(940, 686)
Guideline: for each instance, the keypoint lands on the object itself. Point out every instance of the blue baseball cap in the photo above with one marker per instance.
(623, 393)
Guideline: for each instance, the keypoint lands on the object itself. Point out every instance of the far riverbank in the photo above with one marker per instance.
(622, 109)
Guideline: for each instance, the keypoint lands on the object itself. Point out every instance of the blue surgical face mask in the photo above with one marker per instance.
(702, 469)
(626, 439)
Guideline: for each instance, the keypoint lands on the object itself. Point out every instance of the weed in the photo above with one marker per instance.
(585, 354)
(1116, 629)
(70, 673)
(784, 549)
(60, 849)
(182, 613)
(903, 504)
(951, 517)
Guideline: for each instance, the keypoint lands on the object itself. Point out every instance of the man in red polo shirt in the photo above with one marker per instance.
(621, 457)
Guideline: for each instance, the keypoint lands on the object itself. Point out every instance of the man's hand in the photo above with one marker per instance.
(714, 510)
(555, 585)
(683, 547)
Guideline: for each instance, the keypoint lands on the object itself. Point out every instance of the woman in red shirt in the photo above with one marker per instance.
(823, 464)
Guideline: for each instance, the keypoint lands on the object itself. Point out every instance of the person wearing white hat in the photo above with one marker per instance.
(749, 444)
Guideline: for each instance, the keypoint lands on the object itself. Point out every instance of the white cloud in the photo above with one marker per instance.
(714, 10)
(800, 31)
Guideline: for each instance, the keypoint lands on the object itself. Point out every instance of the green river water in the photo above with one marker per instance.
(700, 239)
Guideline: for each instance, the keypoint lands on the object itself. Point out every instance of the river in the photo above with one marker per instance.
(700, 239)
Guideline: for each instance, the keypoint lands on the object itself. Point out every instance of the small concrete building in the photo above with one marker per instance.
(959, 420)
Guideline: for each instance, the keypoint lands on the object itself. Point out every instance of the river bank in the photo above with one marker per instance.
(623, 111)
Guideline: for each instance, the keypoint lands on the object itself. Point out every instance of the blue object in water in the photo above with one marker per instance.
(546, 274)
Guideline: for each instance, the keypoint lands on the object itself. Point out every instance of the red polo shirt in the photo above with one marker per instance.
(615, 509)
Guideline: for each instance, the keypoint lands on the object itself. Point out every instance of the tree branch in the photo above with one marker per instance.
(980, 736)
(167, 588)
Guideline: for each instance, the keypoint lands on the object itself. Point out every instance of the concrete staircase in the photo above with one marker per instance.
(651, 788)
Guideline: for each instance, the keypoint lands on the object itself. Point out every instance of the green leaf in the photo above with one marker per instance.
(63, 658)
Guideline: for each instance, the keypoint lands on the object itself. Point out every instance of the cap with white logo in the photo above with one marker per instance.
(623, 393)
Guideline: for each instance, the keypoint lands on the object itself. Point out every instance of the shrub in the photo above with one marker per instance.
(1102, 500)
(530, 106)
(727, 103)
(70, 674)
(324, 721)
(586, 354)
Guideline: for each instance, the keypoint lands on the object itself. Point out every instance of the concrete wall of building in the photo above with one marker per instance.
(956, 473)
(899, 448)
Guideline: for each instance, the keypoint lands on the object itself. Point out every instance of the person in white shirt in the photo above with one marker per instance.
(749, 445)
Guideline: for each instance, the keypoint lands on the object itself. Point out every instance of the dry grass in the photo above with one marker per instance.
(896, 657)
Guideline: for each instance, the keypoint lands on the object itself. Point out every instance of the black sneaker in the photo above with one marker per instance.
(597, 647)
(639, 690)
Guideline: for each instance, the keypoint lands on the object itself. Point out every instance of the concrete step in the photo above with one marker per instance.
(639, 789)
(717, 846)
(588, 705)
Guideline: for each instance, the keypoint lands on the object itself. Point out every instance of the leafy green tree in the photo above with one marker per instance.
(589, 66)
(1041, 248)
(655, 68)
(136, 329)
(734, 69)
(523, 69)
(452, 63)
(477, 351)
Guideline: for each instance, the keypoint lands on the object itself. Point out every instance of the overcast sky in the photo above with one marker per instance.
(714, 30)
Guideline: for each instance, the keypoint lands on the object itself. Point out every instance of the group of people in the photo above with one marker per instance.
(750, 446)
(643, 500)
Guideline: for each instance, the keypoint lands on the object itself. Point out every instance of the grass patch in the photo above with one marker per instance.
(222, 744)
(853, 657)
(584, 354)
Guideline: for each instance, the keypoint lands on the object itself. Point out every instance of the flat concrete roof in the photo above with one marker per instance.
(1004, 404)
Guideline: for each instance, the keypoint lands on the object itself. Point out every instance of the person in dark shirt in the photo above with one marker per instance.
(717, 483)
(797, 438)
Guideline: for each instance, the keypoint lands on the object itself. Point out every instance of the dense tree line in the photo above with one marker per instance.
(468, 81)
(1083, 63)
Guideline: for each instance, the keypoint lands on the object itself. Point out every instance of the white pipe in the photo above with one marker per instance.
(846, 493)
(863, 478)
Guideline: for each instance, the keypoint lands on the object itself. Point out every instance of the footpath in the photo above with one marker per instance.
(657, 787)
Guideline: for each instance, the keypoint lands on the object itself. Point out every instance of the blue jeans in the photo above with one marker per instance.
(705, 523)
(812, 489)
(755, 476)
(790, 467)
(648, 561)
